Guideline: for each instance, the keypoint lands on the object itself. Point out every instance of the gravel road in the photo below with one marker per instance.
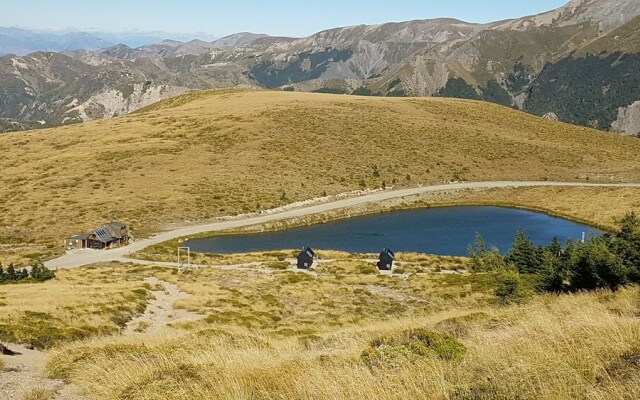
(78, 258)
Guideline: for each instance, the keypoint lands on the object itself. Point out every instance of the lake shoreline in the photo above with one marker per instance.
(413, 202)
(426, 230)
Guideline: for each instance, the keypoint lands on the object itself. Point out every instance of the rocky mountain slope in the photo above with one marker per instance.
(517, 63)
(600, 83)
(48, 89)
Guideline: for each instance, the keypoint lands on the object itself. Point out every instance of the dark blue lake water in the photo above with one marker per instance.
(441, 231)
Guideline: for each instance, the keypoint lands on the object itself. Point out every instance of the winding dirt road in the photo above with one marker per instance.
(78, 258)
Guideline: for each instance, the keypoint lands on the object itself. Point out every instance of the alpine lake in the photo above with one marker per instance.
(446, 231)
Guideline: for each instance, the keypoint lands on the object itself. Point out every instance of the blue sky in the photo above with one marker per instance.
(284, 17)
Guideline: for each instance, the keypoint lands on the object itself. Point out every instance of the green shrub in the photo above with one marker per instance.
(278, 265)
(596, 266)
(524, 254)
(278, 255)
(551, 276)
(366, 269)
(293, 277)
(627, 245)
(511, 289)
(38, 273)
(483, 260)
(411, 346)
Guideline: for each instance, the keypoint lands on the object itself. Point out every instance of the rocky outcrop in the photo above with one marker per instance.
(113, 103)
(628, 121)
(4, 350)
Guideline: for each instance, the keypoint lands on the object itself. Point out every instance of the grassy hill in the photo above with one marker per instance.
(218, 153)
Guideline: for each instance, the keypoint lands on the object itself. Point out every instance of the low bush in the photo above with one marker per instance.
(366, 269)
(411, 346)
(278, 265)
(459, 326)
(293, 277)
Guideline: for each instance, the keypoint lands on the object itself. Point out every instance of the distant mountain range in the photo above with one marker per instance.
(578, 64)
(23, 41)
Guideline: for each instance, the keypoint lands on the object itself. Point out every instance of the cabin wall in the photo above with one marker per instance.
(74, 244)
(305, 262)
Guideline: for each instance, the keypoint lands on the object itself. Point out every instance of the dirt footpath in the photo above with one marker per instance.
(23, 378)
(23, 374)
(160, 311)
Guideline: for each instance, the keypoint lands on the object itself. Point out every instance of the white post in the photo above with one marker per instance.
(180, 265)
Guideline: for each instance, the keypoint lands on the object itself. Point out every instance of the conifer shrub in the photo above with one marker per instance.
(606, 262)
(38, 273)
(511, 289)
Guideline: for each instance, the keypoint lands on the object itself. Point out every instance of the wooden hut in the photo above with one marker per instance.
(109, 235)
(305, 258)
(386, 260)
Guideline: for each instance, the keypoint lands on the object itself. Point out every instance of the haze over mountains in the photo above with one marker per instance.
(578, 64)
(20, 42)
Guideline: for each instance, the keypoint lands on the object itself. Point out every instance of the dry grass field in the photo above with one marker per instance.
(75, 305)
(348, 332)
(540, 351)
(220, 153)
(600, 207)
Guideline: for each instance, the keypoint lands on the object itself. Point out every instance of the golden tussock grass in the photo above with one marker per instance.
(340, 292)
(75, 305)
(39, 394)
(290, 335)
(557, 347)
(221, 153)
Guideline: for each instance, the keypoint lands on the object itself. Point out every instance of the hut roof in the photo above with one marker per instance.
(81, 236)
(388, 253)
(308, 252)
(110, 232)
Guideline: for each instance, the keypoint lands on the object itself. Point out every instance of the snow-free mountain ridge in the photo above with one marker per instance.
(518, 63)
